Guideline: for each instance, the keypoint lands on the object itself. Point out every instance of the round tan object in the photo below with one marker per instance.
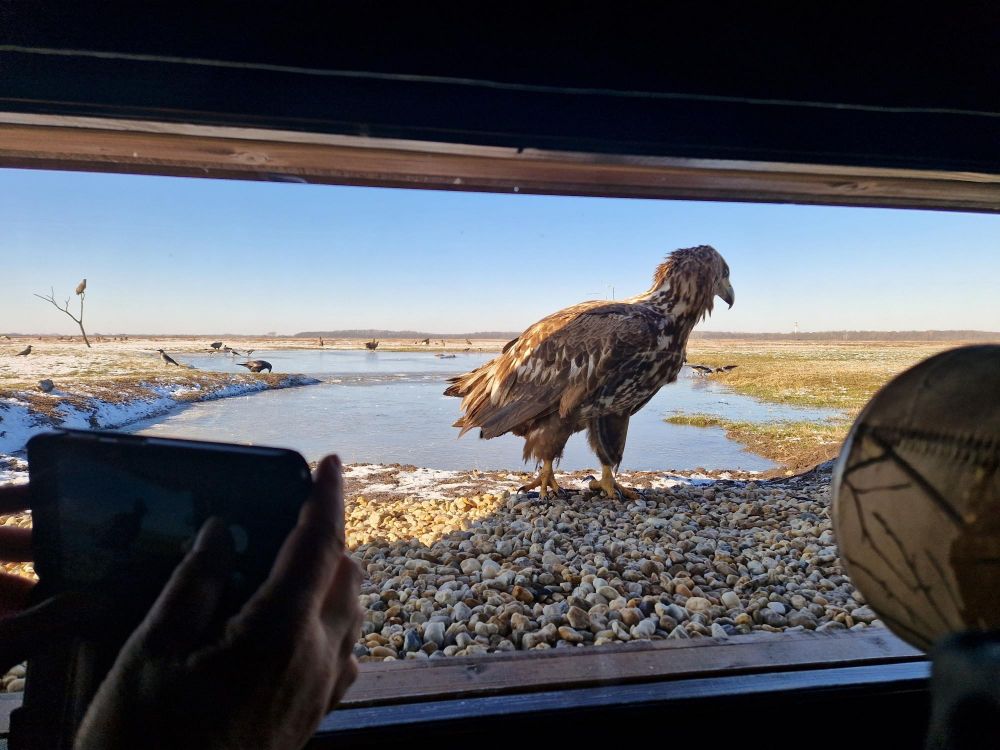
(916, 497)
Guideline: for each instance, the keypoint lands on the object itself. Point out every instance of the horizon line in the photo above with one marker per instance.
(403, 333)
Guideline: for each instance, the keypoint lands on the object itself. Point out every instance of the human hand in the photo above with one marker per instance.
(263, 679)
(15, 546)
(23, 630)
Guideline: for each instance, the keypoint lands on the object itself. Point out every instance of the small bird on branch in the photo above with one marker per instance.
(167, 359)
(81, 287)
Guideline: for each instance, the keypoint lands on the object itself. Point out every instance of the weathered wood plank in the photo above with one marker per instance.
(399, 681)
(162, 148)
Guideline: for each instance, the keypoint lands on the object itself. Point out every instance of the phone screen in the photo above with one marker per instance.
(114, 520)
(120, 512)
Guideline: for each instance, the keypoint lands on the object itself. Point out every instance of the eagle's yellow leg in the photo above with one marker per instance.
(546, 478)
(610, 487)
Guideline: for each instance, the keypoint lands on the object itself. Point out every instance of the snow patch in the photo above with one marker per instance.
(667, 481)
(18, 423)
(363, 471)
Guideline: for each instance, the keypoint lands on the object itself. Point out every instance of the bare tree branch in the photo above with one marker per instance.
(51, 299)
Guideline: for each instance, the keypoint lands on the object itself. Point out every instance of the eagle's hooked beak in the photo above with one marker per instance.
(725, 291)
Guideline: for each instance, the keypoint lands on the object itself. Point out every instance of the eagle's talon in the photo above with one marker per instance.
(611, 488)
(544, 481)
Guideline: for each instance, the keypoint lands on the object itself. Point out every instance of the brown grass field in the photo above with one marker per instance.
(841, 376)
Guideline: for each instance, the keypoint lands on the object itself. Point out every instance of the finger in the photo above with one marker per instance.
(24, 634)
(15, 544)
(14, 498)
(348, 674)
(14, 593)
(189, 603)
(341, 609)
(308, 559)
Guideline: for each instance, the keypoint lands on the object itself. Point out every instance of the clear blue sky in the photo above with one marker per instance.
(172, 255)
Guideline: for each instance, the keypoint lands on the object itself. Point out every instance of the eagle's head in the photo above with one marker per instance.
(690, 279)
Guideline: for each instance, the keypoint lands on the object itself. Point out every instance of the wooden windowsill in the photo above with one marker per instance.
(160, 148)
(381, 683)
(385, 684)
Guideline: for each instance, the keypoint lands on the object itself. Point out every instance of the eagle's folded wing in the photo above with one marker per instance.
(554, 365)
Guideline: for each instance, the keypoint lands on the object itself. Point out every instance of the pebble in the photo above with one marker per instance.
(697, 604)
(522, 594)
(631, 616)
(803, 618)
(644, 629)
(718, 631)
(490, 569)
(678, 613)
(412, 641)
(434, 632)
(498, 572)
(470, 565)
(608, 593)
(519, 621)
(577, 618)
(864, 614)
(772, 618)
(731, 600)
(530, 640)
(570, 634)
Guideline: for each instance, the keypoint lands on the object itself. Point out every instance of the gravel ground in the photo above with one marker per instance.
(461, 564)
(497, 571)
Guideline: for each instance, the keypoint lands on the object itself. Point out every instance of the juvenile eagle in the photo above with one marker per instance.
(592, 366)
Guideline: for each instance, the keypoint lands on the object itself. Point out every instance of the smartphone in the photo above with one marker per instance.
(118, 512)
(114, 514)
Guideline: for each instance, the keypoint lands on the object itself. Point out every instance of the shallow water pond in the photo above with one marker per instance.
(388, 407)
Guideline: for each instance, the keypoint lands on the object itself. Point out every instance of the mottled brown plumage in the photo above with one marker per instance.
(256, 365)
(592, 366)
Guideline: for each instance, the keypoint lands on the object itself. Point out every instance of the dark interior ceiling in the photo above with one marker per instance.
(864, 86)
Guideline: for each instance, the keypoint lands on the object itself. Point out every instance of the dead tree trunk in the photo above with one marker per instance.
(65, 308)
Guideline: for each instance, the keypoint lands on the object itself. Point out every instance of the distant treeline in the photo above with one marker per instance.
(377, 333)
(853, 336)
(367, 333)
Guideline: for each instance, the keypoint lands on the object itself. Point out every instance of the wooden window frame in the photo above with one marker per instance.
(448, 694)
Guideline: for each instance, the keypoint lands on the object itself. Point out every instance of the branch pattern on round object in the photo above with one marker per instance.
(916, 497)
